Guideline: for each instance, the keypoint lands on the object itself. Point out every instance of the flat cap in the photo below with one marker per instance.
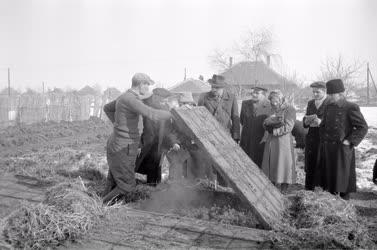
(164, 93)
(259, 88)
(140, 78)
(320, 85)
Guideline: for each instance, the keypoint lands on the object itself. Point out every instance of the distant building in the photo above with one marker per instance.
(245, 75)
(195, 86)
(87, 90)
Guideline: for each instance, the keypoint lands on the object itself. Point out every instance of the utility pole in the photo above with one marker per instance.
(8, 81)
(185, 74)
(43, 87)
(367, 83)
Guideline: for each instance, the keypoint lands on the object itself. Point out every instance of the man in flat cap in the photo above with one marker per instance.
(311, 120)
(222, 104)
(122, 146)
(253, 113)
(342, 128)
(157, 137)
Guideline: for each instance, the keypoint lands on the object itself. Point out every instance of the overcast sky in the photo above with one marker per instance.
(78, 42)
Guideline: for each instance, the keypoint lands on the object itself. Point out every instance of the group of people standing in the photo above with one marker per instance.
(335, 125)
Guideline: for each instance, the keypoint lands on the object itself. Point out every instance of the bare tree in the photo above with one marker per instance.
(220, 59)
(337, 67)
(255, 45)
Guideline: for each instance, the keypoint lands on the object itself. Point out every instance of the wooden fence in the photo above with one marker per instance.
(32, 108)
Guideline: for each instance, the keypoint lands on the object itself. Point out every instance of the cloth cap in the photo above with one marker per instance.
(335, 86)
(320, 85)
(259, 88)
(217, 81)
(140, 78)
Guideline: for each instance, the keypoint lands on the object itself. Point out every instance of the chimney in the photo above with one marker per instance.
(268, 59)
(230, 62)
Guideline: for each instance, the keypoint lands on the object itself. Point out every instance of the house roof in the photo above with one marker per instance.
(255, 74)
(191, 85)
(87, 90)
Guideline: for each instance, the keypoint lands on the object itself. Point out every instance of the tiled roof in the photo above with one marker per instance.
(254, 73)
(191, 85)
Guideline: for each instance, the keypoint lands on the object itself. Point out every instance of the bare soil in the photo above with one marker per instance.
(52, 152)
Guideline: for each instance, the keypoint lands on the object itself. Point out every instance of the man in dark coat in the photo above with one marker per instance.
(253, 113)
(157, 137)
(343, 127)
(222, 104)
(311, 120)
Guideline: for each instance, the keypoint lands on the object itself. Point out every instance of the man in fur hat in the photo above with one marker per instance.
(343, 127)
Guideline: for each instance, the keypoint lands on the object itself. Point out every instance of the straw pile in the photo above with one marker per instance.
(321, 220)
(67, 214)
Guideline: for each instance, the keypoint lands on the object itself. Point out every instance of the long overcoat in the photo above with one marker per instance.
(224, 109)
(341, 121)
(252, 116)
(278, 157)
(312, 145)
(157, 138)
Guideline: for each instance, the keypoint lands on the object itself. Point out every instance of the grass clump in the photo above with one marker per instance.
(321, 220)
(68, 212)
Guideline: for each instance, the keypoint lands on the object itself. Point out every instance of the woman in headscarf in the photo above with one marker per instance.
(278, 157)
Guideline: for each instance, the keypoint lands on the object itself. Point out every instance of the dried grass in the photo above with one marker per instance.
(67, 214)
(321, 220)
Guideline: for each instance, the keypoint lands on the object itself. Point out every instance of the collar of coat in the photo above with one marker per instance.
(225, 96)
(341, 103)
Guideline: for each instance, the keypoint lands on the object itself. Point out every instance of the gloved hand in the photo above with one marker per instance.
(270, 129)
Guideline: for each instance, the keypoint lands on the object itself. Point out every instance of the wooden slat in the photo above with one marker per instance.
(232, 163)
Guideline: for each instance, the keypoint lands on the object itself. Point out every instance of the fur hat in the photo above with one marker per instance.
(335, 86)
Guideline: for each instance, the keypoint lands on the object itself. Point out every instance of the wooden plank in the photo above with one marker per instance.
(232, 163)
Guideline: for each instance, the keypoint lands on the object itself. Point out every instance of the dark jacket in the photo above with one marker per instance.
(251, 118)
(341, 121)
(157, 137)
(312, 145)
(224, 109)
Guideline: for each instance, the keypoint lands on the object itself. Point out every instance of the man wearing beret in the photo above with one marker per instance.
(311, 120)
(343, 127)
(253, 113)
(157, 137)
(122, 146)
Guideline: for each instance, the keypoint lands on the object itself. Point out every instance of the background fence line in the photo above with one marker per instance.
(33, 108)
